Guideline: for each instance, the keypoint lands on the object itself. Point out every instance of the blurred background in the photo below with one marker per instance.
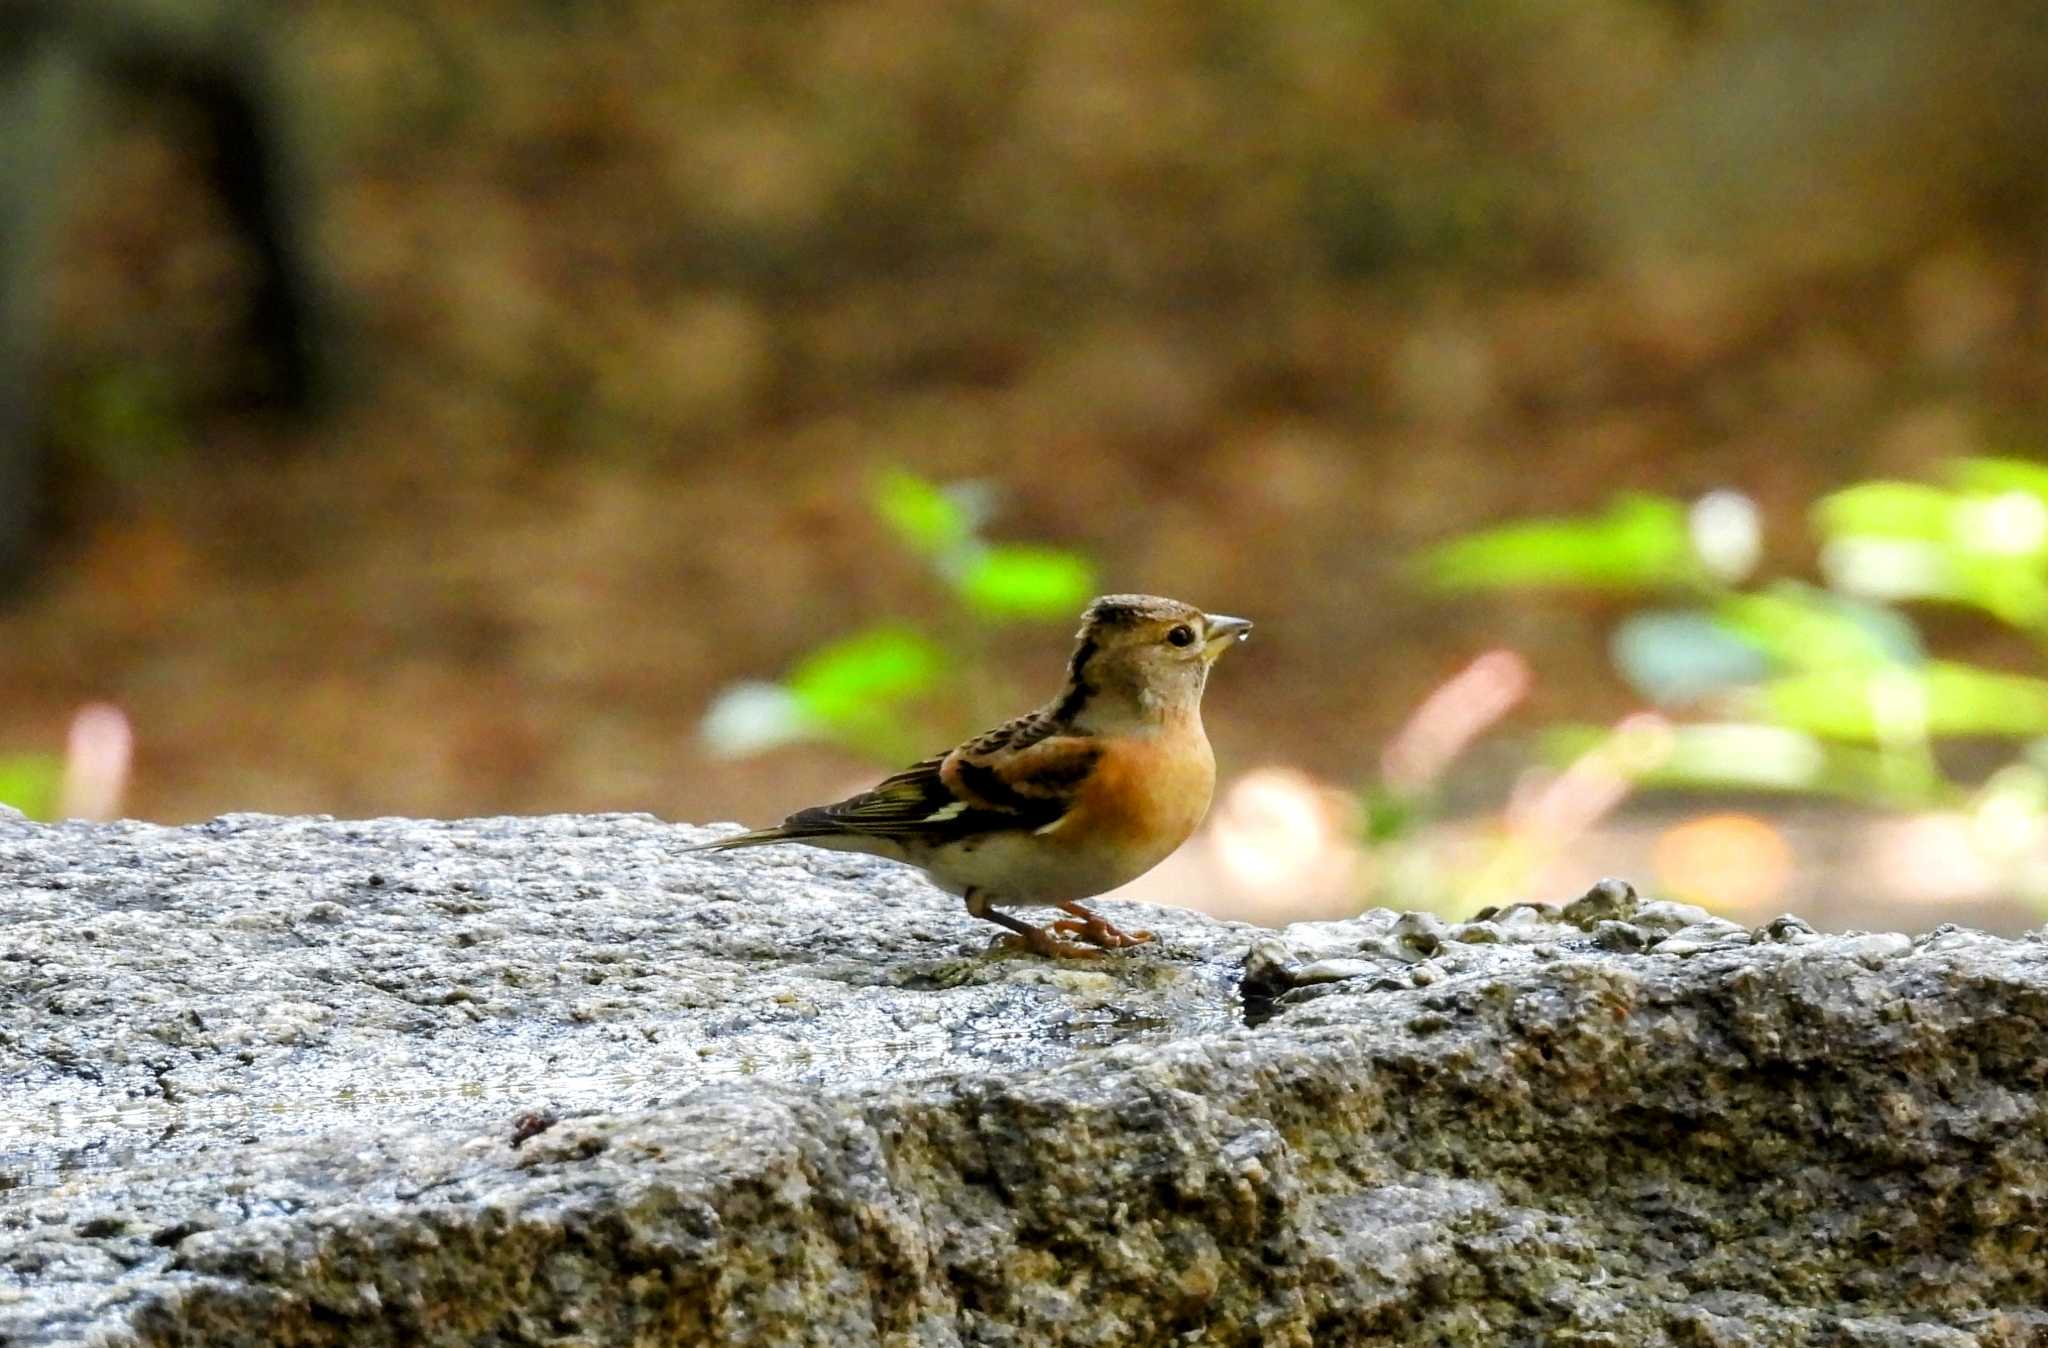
(1620, 417)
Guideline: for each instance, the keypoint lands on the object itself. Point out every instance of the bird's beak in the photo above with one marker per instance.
(1222, 632)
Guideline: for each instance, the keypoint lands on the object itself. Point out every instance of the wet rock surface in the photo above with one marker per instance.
(297, 1081)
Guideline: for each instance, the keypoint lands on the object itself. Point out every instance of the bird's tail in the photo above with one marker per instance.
(793, 830)
(760, 837)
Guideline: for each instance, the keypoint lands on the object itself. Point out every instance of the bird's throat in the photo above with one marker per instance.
(1114, 709)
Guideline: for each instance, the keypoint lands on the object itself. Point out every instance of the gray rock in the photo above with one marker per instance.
(1787, 930)
(1874, 947)
(1666, 916)
(1422, 933)
(1608, 900)
(294, 1081)
(1714, 933)
(1611, 934)
(1336, 971)
(1477, 932)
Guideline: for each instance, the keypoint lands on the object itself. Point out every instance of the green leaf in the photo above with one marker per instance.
(1993, 476)
(1911, 510)
(2013, 590)
(30, 783)
(1020, 581)
(1640, 542)
(1747, 757)
(1751, 757)
(845, 682)
(1800, 627)
(926, 516)
(1390, 815)
(1985, 545)
(1938, 699)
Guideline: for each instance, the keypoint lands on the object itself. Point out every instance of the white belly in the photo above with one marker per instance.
(1127, 819)
(1019, 868)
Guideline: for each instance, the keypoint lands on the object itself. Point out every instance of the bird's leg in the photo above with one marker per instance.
(1096, 930)
(1037, 940)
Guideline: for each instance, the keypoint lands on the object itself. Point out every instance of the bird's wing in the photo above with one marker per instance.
(957, 795)
(915, 802)
(1013, 735)
(1037, 782)
(1023, 774)
(899, 806)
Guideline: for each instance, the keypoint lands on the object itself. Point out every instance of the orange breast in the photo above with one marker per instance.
(1146, 795)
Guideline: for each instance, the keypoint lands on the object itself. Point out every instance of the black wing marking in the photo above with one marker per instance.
(919, 805)
(1021, 733)
(914, 805)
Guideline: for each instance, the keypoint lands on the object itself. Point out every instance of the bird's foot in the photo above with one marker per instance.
(1096, 931)
(1039, 941)
(1022, 935)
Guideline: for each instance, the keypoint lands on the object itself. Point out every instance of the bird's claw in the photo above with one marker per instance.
(1042, 942)
(1097, 932)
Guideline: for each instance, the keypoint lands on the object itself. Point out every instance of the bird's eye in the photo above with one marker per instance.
(1182, 635)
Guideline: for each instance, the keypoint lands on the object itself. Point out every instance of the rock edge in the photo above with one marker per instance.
(1615, 1123)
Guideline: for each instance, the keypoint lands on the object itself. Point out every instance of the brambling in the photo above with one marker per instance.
(1085, 794)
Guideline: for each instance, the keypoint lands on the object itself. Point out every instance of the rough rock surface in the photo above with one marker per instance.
(553, 1081)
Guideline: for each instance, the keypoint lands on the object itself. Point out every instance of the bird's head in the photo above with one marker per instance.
(1140, 657)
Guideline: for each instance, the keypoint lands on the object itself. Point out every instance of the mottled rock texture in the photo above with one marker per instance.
(554, 1081)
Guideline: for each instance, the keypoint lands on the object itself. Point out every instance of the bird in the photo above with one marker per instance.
(1084, 794)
